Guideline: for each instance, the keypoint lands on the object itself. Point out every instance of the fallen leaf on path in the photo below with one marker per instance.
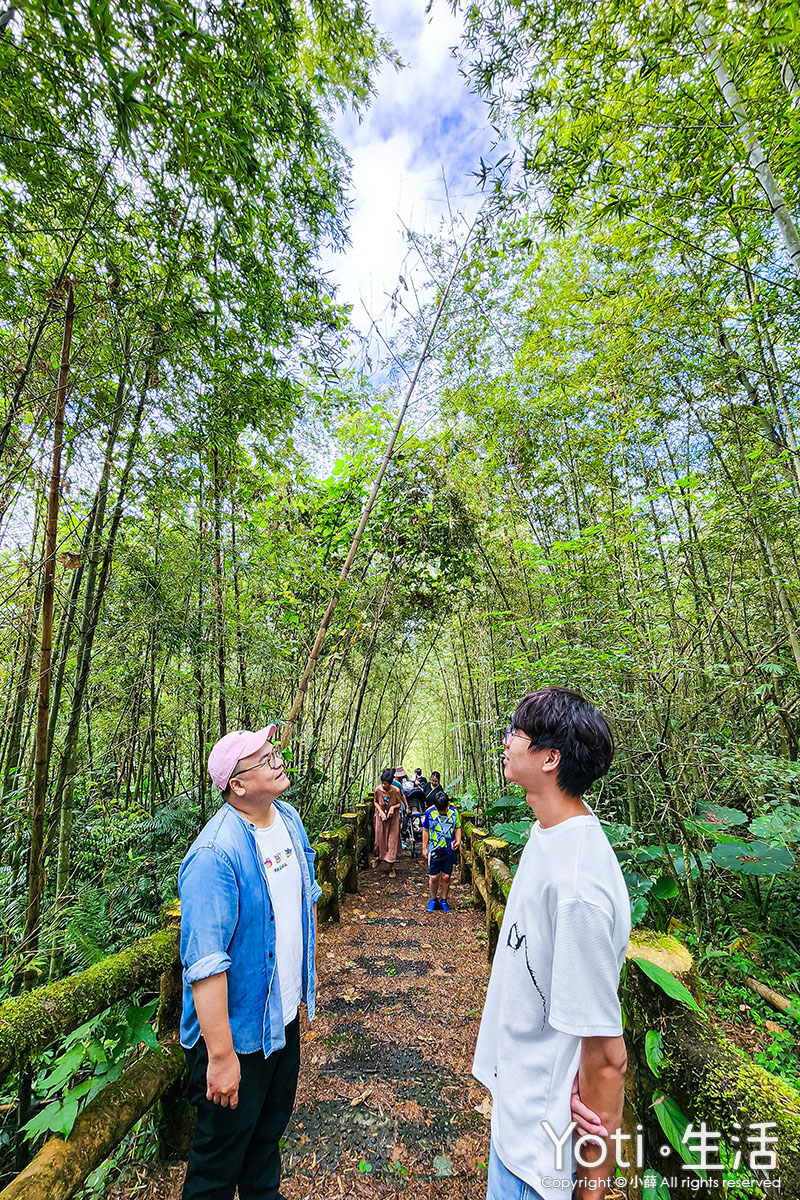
(442, 1166)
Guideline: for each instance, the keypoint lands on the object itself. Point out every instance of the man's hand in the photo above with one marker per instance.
(222, 1079)
(588, 1123)
(224, 1071)
(600, 1088)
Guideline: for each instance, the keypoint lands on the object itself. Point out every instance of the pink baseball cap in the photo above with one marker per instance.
(228, 750)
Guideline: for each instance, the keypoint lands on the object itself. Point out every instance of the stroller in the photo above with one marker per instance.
(411, 828)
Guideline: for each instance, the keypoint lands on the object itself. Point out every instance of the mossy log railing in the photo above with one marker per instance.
(705, 1073)
(338, 854)
(485, 864)
(41, 1018)
(31, 1023)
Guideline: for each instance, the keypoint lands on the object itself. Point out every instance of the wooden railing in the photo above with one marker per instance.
(485, 863)
(338, 853)
(45, 1016)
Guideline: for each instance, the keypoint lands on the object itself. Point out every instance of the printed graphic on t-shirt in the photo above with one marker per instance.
(441, 828)
(279, 861)
(516, 941)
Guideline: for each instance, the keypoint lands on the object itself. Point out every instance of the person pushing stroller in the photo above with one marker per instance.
(441, 838)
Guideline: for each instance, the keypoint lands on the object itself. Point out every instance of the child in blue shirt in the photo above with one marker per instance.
(441, 838)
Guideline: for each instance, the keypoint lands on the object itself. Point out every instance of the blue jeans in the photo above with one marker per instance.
(502, 1185)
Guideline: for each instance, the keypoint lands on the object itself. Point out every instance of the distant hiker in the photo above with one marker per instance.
(248, 927)
(441, 838)
(415, 796)
(402, 781)
(388, 800)
(434, 786)
(552, 1014)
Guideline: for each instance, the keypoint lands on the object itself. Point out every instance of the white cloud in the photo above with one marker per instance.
(421, 139)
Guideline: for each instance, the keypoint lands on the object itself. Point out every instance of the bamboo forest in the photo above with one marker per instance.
(570, 459)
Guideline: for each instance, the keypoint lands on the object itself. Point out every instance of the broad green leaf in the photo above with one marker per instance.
(516, 832)
(718, 817)
(781, 825)
(668, 983)
(674, 1123)
(753, 858)
(654, 1050)
(654, 1186)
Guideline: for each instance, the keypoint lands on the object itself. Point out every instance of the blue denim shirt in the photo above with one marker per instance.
(228, 925)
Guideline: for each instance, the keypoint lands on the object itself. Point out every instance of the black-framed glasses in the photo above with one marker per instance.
(270, 759)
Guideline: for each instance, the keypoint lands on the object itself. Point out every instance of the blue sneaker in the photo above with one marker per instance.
(431, 905)
(444, 906)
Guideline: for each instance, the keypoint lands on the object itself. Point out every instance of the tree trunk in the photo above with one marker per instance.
(245, 719)
(36, 857)
(219, 587)
(755, 154)
(54, 293)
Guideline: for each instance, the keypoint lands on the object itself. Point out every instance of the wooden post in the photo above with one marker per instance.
(369, 825)
(466, 852)
(331, 840)
(498, 850)
(364, 841)
(175, 1116)
(477, 839)
(350, 823)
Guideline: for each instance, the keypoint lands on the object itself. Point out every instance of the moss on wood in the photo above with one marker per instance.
(32, 1022)
(60, 1168)
(711, 1079)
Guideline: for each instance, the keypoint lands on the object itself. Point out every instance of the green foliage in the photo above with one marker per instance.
(715, 816)
(753, 858)
(654, 1186)
(654, 1050)
(675, 1125)
(668, 983)
(98, 1050)
(781, 826)
(515, 832)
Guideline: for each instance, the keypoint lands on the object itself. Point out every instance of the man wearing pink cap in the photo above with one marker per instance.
(248, 924)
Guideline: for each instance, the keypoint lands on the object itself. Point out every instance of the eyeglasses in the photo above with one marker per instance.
(270, 759)
(510, 732)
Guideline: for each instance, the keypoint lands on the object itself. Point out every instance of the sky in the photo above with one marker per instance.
(420, 141)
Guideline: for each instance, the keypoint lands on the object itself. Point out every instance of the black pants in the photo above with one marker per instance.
(239, 1146)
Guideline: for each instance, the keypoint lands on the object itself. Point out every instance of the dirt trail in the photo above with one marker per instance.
(386, 1105)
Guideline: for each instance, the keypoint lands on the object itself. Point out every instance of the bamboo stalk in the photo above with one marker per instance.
(36, 855)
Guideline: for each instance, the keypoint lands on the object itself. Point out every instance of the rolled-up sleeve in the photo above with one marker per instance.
(209, 911)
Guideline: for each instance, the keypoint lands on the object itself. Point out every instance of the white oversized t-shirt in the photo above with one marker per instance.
(554, 980)
(285, 882)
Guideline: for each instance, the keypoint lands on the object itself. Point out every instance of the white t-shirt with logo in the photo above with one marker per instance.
(554, 980)
(285, 882)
